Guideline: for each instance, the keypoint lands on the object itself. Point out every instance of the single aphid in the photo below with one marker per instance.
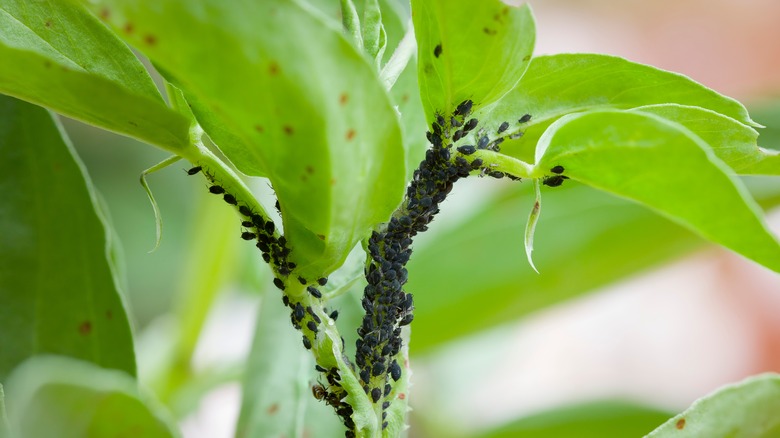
(483, 142)
(464, 109)
(246, 235)
(334, 315)
(376, 394)
(314, 292)
(194, 170)
(471, 124)
(395, 371)
(279, 283)
(437, 51)
(322, 281)
(248, 224)
(311, 325)
(230, 199)
(504, 126)
(455, 122)
(319, 392)
(306, 342)
(557, 169)
(525, 118)
(467, 149)
(217, 190)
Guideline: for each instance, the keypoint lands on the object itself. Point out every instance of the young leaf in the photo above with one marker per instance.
(4, 433)
(58, 396)
(58, 55)
(561, 84)
(329, 141)
(470, 50)
(733, 142)
(530, 227)
(59, 292)
(663, 166)
(746, 409)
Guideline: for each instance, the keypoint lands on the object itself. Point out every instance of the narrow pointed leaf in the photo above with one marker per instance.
(55, 396)
(747, 409)
(470, 50)
(57, 285)
(58, 55)
(663, 166)
(557, 85)
(307, 112)
(530, 227)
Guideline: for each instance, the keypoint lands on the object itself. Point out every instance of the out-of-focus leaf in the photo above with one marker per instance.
(734, 143)
(558, 85)
(55, 396)
(276, 385)
(470, 50)
(585, 239)
(57, 285)
(747, 409)
(658, 163)
(58, 55)
(329, 142)
(3, 418)
(589, 420)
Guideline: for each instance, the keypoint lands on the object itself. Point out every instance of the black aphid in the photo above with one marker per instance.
(457, 135)
(217, 190)
(320, 369)
(471, 124)
(467, 149)
(483, 142)
(455, 122)
(266, 256)
(306, 342)
(557, 169)
(395, 371)
(376, 394)
(314, 292)
(437, 51)
(516, 135)
(385, 405)
(440, 120)
(406, 320)
(388, 388)
(298, 312)
(194, 170)
(230, 199)
(247, 224)
(245, 210)
(464, 109)
(302, 280)
(286, 300)
(378, 368)
(525, 118)
(269, 227)
(504, 126)
(279, 283)
(322, 281)
(554, 181)
(246, 235)
(311, 325)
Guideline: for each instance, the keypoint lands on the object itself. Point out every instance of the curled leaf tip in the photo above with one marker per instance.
(530, 227)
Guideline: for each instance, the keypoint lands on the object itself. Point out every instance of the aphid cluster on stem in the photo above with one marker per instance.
(557, 179)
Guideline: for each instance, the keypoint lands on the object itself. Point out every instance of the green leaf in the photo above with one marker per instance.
(747, 409)
(58, 55)
(329, 142)
(585, 239)
(587, 420)
(733, 142)
(4, 433)
(470, 50)
(663, 166)
(558, 85)
(55, 396)
(276, 388)
(59, 292)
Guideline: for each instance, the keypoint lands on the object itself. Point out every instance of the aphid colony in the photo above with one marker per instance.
(275, 251)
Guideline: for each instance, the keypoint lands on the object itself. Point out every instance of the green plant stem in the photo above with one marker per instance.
(351, 21)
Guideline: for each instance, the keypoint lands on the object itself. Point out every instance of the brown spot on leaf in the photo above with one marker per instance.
(47, 64)
(288, 129)
(150, 39)
(274, 408)
(405, 98)
(321, 236)
(105, 13)
(129, 28)
(526, 58)
(489, 31)
(350, 134)
(680, 424)
(401, 396)
(273, 69)
(109, 314)
(344, 98)
(85, 328)
(259, 128)
(47, 23)
(132, 123)
(309, 169)
(428, 69)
